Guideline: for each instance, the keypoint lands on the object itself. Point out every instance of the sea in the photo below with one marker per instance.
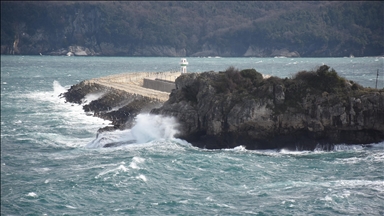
(52, 163)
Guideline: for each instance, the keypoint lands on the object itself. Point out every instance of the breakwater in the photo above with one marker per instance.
(120, 97)
(147, 84)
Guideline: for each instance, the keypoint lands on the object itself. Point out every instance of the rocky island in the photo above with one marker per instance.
(218, 110)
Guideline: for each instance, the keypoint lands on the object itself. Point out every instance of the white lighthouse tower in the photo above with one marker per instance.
(183, 64)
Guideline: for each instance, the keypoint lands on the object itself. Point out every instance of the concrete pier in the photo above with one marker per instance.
(134, 83)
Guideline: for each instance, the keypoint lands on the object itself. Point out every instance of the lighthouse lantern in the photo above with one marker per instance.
(183, 64)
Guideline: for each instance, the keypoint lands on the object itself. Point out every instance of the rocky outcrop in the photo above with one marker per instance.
(118, 106)
(232, 108)
(226, 109)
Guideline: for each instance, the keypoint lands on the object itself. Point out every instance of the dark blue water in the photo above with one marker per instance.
(51, 166)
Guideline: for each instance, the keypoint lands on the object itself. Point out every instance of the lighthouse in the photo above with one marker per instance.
(183, 64)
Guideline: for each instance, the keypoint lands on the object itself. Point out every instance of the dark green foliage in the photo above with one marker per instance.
(254, 76)
(356, 86)
(323, 85)
(233, 80)
(274, 81)
(335, 28)
(249, 81)
(322, 80)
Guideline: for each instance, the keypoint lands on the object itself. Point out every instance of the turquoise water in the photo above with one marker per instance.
(50, 164)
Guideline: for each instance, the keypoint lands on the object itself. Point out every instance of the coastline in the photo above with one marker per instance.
(120, 97)
(232, 108)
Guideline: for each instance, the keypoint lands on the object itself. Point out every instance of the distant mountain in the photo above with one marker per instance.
(187, 28)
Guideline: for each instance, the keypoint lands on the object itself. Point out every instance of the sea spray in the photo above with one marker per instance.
(73, 126)
(147, 128)
(91, 97)
(57, 88)
(152, 127)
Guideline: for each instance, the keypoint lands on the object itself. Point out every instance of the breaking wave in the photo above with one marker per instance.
(147, 128)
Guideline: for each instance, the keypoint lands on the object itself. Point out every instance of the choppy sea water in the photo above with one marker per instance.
(51, 163)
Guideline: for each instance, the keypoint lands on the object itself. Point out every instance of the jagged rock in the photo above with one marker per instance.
(115, 105)
(224, 110)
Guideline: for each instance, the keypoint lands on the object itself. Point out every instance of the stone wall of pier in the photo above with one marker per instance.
(159, 85)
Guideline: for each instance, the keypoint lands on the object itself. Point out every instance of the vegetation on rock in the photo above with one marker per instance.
(239, 107)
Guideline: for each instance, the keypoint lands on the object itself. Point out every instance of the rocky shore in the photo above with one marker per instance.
(118, 98)
(226, 109)
(316, 108)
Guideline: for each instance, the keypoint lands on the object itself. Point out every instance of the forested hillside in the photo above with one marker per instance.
(186, 28)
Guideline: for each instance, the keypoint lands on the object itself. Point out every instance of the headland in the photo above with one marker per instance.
(226, 109)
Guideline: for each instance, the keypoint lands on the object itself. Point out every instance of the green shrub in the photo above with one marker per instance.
(322, 80)
(251, 74)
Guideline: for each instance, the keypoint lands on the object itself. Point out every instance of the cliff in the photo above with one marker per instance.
(232, 108)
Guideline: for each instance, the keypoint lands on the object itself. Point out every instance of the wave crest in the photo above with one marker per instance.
(147, 128)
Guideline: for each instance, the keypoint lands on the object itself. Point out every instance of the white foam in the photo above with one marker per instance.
(122, 168)
(240, 148)
(152, 127)
(289, 152)
(352, 160)
(135, 162)
(225, 206)
(71, 115)
(108, 137)
(147, 128)
(360, 183)
(57, 88)
(183, 201)
(343, 147)
(142, 177)
(32, 194)
(114, 170)
(318, 150)
(42, 170)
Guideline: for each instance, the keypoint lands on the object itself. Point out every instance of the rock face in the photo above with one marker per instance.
(232, 108)
(111, 104)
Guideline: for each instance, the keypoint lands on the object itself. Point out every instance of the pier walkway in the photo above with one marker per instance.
(133, 83)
